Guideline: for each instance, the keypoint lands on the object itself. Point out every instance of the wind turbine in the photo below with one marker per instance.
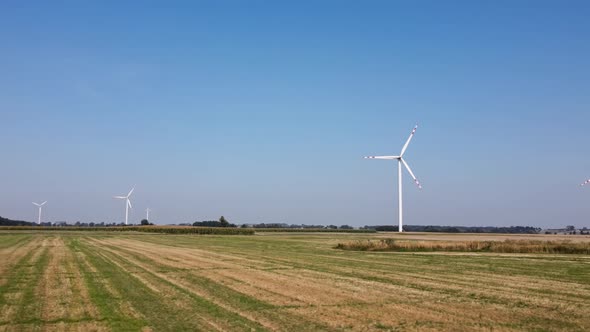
(40, 208)
(400, 161)
(127, 204)
(147, 214)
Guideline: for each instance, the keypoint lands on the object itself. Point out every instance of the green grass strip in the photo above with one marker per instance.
(158, 315)
(108, 306)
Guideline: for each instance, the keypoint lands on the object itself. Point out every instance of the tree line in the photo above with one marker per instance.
(9, 222)
(222, 222)
(213, 223)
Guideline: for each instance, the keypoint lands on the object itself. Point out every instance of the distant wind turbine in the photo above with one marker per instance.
(40, 208)
(127, 204)
(401, 161)
(147, 214)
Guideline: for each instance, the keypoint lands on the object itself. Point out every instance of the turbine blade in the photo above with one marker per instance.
(585, 182)
(411, 173)
(121, 197)
(131, 192)
(43, 203)
(408, 141)
(382, 157)
(129, 203)
(36, 204)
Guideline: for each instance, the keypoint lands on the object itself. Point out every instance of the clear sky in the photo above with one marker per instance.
(261, 111)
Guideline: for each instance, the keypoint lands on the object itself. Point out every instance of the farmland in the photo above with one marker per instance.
(99, 281)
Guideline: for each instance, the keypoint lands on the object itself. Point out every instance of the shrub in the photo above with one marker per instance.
(507, 246)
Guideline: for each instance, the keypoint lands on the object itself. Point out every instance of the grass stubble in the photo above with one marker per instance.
(279, 282)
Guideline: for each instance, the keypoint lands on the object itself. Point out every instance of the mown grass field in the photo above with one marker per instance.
(55, 281)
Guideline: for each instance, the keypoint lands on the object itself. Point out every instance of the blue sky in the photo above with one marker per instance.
(261, 111)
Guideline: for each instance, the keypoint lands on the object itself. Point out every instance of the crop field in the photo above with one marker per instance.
(98, 281)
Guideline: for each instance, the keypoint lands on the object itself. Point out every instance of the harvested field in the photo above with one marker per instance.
(55, 281)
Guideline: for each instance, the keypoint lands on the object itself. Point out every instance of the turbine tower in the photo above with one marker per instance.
(40, 208)
(127, 204)
(147, 214)
(400, 161)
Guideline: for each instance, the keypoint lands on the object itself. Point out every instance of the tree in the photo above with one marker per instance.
(9, 222)
(223, 222)
(145, 222)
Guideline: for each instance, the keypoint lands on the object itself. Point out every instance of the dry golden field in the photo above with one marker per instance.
(281, 282)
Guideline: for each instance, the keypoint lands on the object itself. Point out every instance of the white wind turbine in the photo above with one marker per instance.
(127, 204)
(147, 214)
(40, 208)
(401, 161)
